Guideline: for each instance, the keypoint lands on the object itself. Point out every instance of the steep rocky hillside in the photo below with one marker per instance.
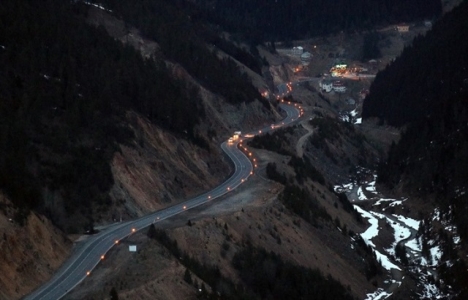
(79, 165)
(120, 110)
(320, 235)
(159, 168)
(252, 217)
(428, 163)
(30, 252)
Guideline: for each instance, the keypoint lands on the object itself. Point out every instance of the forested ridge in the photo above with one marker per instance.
(65, 88)
(427, 76)
(262, 274)
(425, 91)
(180, 29)
(286, 20)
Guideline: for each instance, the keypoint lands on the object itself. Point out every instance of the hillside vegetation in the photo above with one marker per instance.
(426, 91)
(66, 88)
(183, 36)
(287, 20)
(432, 80)
(90, 128)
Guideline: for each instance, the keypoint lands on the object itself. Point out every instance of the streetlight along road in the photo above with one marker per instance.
(85, 259)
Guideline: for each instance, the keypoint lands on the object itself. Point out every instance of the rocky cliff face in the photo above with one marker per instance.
(161, 169)
(30, 253)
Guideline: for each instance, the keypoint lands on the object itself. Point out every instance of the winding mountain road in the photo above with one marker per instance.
(88, 256)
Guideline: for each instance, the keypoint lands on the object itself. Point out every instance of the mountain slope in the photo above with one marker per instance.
(67, 91)
(63, 105)
(421, 82)
(432, 102)
(288, 20)
(426, 91)
(92, 130)
(30, 253)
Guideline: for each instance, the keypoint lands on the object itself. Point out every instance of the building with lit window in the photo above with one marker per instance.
(326, 85)
(297, 51)
(339, 87)
(402, 27)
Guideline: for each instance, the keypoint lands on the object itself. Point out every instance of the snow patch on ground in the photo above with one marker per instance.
(377, 295)
(360, 194)
(98, 6)
(380, 201)
(408, 221)
(460, 191)
(354, 114)
(400, 233)
(396, 202)
(371, 186)
(343, 188)
(414, 244)
(350, 117)
(378, 215)
(372, 232)
(385, 261)
(430, 290)
(393, 202)
(451, 228)
(436, 215)
(403, 227)
(436, 255)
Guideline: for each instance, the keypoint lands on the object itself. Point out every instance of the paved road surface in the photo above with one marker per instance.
(85, 259)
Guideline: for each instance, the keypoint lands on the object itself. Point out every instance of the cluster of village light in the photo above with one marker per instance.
(342, 69)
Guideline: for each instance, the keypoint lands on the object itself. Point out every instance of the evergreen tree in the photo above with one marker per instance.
(188, 277)
(113, 294)
(152, 233)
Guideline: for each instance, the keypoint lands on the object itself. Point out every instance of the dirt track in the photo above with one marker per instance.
(300, 143)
